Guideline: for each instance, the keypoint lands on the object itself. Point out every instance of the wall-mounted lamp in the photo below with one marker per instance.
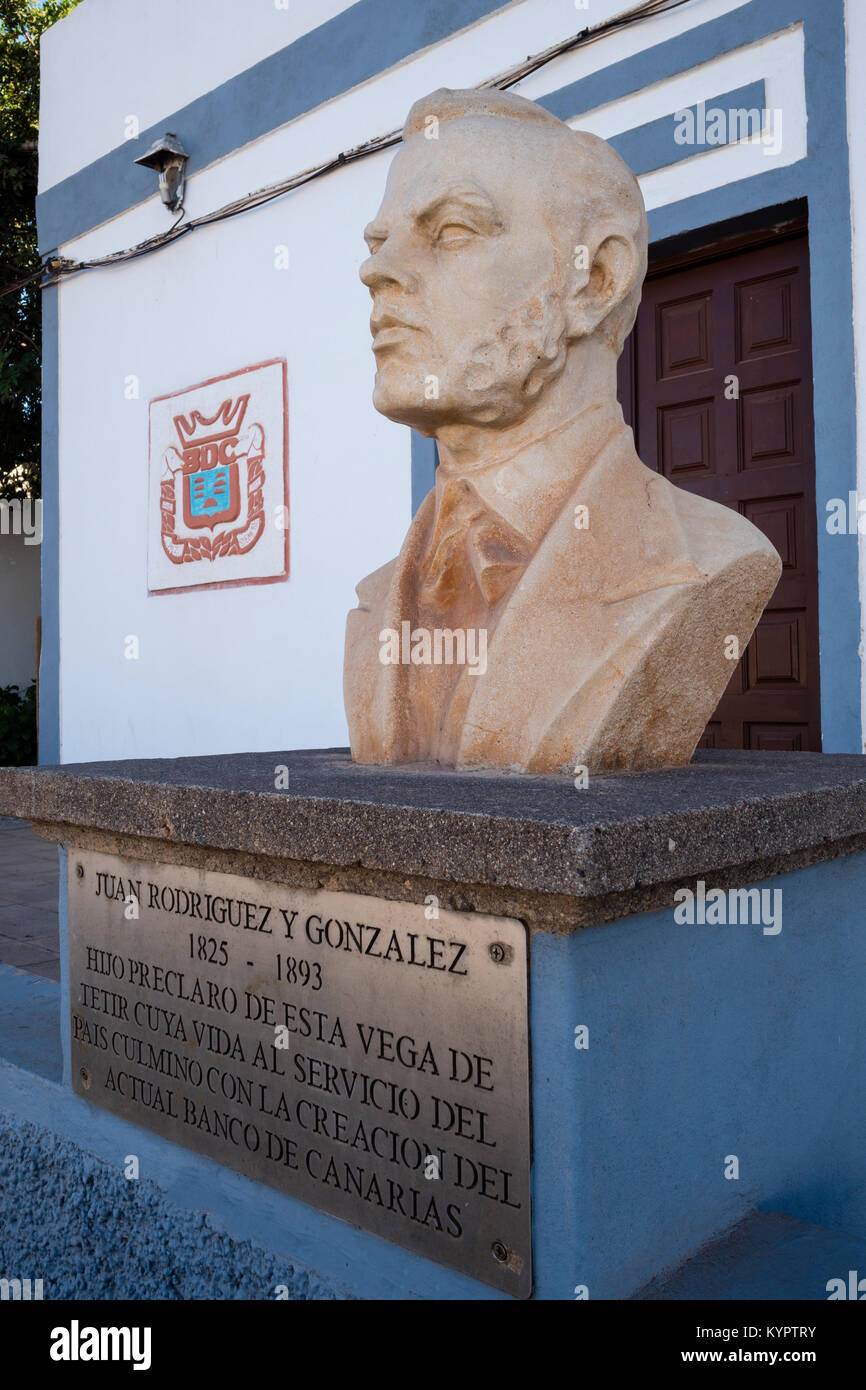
(168, 157)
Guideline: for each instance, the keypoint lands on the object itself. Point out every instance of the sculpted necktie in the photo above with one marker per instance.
(473, 549)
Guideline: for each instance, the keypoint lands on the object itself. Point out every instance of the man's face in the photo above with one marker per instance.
(466, 282)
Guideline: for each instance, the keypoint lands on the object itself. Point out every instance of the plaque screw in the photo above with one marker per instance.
(79, 870)
(497, 953)
(499, 1250)
(85, 1078)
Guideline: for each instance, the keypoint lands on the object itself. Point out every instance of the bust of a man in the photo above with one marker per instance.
(555, 603)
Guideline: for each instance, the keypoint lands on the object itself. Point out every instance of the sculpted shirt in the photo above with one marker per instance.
(605, 633)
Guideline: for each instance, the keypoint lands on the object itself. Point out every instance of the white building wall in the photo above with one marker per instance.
(261, 667)
(152, 57)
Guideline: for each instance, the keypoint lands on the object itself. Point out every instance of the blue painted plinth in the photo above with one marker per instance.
(724, 1074)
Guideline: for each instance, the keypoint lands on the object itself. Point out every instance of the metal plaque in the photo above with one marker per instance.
(368, 1057)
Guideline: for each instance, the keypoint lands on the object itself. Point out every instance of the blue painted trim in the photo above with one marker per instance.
(245, 1209)
(49, 661)
(653, 146)
(831, 274)
(65, 989)
(732, 200)
(349, 49)
(823, 178)
(627, 1168)
(30, 1022)
(679, 54)
(303, 75)
(425, 460)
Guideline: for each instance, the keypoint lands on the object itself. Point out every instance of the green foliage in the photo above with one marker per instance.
(21, 23)
(17, 726)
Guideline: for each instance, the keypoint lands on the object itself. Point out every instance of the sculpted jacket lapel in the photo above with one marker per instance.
(593, 595)
(600, 590)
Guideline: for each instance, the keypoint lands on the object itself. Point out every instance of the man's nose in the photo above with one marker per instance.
(386, 268)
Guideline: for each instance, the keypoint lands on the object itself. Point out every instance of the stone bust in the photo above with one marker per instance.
(555, 604)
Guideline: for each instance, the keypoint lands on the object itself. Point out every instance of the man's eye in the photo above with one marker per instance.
(453, 233)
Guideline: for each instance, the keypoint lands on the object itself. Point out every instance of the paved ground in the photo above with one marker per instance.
(29, 878)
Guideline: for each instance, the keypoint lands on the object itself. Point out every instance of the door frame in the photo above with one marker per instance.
(719, 241)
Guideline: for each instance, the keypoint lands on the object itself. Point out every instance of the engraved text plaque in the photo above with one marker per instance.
(367, 1057)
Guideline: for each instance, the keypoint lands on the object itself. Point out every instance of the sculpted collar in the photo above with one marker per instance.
(489, 521)
(526, 485)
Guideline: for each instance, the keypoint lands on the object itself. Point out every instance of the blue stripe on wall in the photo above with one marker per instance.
(424, 462)
(676, 55)
(828, 189)
(654, 146)
(354, 46)
(824, 179)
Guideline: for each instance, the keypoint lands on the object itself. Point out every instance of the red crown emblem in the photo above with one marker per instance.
(196, 429)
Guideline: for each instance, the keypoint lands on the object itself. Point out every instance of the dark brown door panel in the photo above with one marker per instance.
(716, 380)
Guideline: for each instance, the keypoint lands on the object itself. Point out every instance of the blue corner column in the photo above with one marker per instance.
(425, 460)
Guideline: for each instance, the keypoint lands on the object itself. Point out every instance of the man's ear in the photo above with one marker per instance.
(598, 292)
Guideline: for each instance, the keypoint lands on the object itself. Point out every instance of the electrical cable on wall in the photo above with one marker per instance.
(56, 268)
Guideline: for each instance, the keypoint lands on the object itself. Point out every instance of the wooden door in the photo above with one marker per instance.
(716, 381)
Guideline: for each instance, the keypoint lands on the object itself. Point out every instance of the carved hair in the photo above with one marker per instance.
(609, 195)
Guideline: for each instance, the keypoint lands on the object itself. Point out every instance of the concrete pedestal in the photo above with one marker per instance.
(696, 1050)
